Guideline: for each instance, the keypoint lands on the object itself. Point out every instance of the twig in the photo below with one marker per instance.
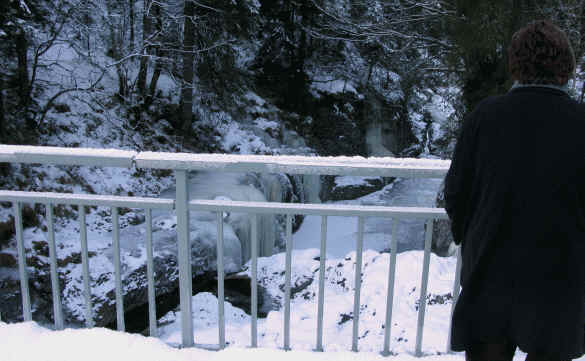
(65, 91)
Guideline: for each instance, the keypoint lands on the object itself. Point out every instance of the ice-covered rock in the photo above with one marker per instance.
(351, 187)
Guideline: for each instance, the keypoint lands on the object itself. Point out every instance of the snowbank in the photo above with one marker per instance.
(30, 342)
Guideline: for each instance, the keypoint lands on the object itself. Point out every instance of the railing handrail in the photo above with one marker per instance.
(87, 199)
(181, 163)
(292, 164)
(317, 209)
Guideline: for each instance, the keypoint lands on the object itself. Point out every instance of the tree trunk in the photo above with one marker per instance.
(146, 32)
(158, 53)
(21, 45)
(581, 49)
(188, 60)
(122, 83)
(503, 76)
(131, 6)
(87, 22)
(154, 80)
(302, 51)
(4, 138)
(2, 126)
(370, 69)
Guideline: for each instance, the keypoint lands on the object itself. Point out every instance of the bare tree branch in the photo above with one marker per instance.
(50, 102)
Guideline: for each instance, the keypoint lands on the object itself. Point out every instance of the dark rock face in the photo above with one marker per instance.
(134, 285)
(104, 307)
(334, 192)
(10, 297)
(6, 231)
(238, 292)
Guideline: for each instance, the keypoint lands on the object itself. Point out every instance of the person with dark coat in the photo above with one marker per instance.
(515, 194)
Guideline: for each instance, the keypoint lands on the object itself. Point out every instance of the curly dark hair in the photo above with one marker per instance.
(540, 53)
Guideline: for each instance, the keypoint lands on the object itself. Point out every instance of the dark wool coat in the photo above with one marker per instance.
(515, 193)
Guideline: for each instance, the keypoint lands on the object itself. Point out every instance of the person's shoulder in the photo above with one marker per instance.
(489, 103)
(485, 107)
(492, 100)
(570, 102)
(577, 111)
(579, 105)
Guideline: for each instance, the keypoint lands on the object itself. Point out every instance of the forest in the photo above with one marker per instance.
(143, 62)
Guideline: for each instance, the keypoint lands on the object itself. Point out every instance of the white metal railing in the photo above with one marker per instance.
(181, 163)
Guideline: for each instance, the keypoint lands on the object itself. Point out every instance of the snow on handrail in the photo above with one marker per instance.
(292, 164)
(341, 165)
(67, 156)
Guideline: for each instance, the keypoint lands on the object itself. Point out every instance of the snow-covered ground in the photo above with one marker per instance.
(30, 342)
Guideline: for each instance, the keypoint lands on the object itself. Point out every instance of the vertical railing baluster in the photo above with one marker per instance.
(185, 281)
(220, 293)
(117, 272)
(85, 266)
(358, 284)
(322, 257)
(254, 281)
(390, 295)
(456, 287)
(150, 275)
(287, 277)
(57, 309)
(423, 290)
(26, 310)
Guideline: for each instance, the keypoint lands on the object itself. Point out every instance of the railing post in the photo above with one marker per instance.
(57, 309)
(220, 284)
(357, 283)
(26, 310)
(117, 271)
(390, 294)
(322, 256)
(456, 287)
(150, 275)
(422, 303)
(85, 266)
(287, 277)
(185, 279)
(254, 281)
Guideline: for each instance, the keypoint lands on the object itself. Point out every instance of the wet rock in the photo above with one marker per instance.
(349, 187)
(8, 260)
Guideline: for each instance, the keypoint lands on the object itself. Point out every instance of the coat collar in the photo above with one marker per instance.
(546, 87)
